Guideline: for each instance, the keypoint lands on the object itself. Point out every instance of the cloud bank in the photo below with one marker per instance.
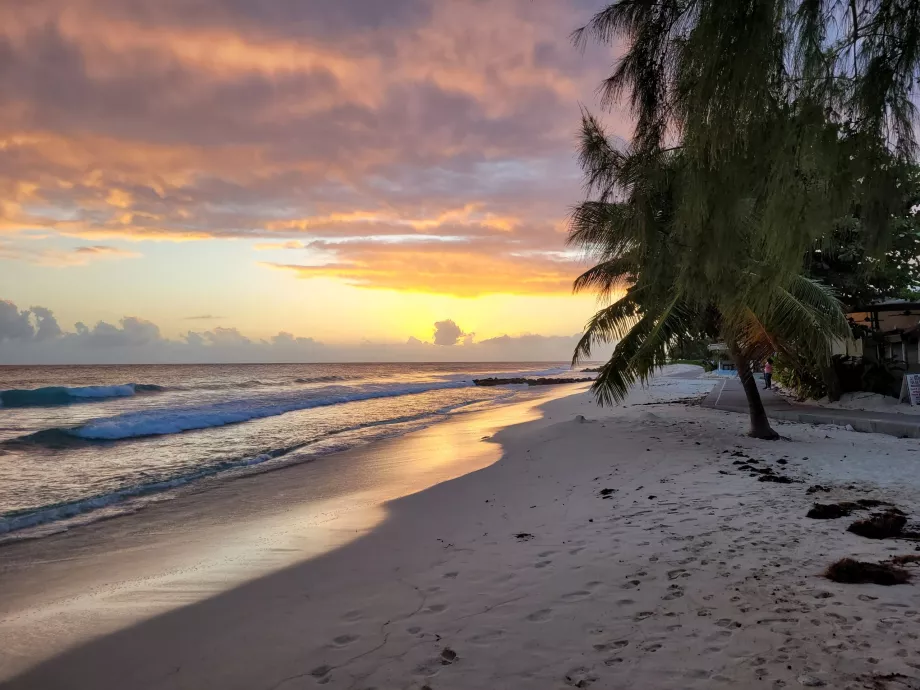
(33, 336)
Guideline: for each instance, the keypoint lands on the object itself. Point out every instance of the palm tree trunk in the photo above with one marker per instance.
(760, 425)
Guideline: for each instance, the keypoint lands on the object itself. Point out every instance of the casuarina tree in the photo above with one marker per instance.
(756, 125)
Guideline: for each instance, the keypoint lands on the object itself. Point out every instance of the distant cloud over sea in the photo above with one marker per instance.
(34, 336)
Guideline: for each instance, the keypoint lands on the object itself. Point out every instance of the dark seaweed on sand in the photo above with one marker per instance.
(776, 479)
(881, 525)
(831, 511)
(850, 571)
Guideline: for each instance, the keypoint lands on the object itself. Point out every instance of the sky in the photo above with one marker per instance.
(317, 180)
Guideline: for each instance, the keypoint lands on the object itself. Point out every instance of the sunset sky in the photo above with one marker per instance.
(345, 171)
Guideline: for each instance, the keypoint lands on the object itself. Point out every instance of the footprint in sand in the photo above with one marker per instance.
(343, 640)
(541, 615)
(542, 564)
(576, 596)
(321, 671)
(427, 668)
(613, 661)
(353, 616)
(718, 634)
(675, 593)
(436, 608)
(632, 584)
(450, 576)
(546, 554)
(487, 637)
(651, 648)
(579, 677)
(680, 572)
(413, 630)
(642, 615)
(727, 623)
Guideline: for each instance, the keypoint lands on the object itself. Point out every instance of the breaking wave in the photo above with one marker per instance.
(165, 421)
(63, 395)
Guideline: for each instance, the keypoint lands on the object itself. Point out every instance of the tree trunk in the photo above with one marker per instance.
(831, 382)
(760, 425)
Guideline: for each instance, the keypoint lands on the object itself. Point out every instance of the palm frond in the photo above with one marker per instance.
(641, 351)
(618, 375)
(613, 322)
(803, 317)
(608, 276)
(602, 229)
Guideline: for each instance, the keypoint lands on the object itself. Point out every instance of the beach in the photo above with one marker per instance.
(548, 543)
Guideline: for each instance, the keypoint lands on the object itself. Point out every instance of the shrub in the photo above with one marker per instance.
(804, 381)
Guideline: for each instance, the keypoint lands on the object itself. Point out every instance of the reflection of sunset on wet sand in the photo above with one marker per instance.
(200, 544)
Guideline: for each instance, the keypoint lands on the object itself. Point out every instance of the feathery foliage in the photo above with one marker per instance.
(758, 124)
(630, 237)
(787, 101)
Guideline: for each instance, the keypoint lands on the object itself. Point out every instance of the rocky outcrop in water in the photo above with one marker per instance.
(492, 381)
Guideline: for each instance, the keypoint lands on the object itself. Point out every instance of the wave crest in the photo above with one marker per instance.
(64, 395)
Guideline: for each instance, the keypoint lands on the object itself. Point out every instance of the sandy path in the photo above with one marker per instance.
(691, 575)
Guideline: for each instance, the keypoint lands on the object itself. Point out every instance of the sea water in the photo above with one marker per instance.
(82, 443)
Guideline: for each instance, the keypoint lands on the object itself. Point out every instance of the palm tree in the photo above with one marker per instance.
(756, 125)
(630, 229)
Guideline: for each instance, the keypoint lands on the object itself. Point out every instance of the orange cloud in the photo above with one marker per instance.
(436, 270)
(292, 123)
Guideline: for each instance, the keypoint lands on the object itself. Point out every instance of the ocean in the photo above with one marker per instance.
(84, 443)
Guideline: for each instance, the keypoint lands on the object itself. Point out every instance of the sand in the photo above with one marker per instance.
(529, 573)
(870, 402)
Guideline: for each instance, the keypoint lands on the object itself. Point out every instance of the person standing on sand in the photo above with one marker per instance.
(768, 374)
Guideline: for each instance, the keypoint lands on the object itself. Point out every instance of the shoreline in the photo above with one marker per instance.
(521, 574)
(167, 553)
